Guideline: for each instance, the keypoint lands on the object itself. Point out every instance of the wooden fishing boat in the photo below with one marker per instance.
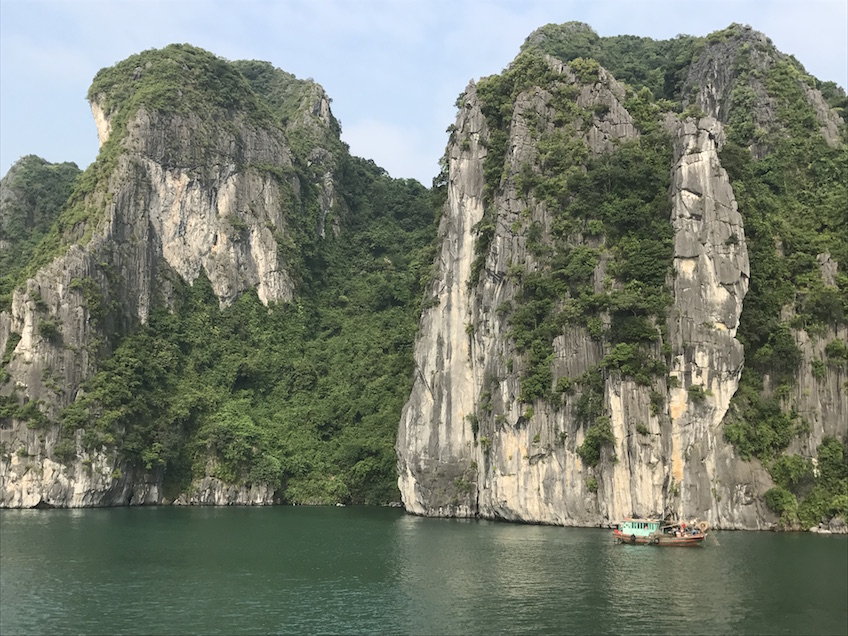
(655, 532)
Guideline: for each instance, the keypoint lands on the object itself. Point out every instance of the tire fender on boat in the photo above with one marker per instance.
(656, 541)
(632, 538)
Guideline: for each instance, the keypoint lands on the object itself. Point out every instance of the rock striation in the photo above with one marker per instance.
(182, 194)
(710, 282)
(469, 445)
(551, 385)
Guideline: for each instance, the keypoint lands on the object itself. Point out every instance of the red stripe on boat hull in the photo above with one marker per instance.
(664, 540)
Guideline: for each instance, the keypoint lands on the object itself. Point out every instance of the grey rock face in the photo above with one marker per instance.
(714, 76)
(523, 464)
(31, 481)
(210, 491)
(712, 272)
(818, 394)
(185, 198)
(820, 399)
(219, 218)
(435, 443)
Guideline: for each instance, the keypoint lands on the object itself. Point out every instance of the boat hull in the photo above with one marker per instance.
(663, 540)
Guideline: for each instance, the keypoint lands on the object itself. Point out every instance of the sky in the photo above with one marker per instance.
(393, 68)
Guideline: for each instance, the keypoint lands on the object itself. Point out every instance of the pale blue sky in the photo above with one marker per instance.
(392, 67)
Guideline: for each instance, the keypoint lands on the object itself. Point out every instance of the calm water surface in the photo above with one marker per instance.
(371, 570)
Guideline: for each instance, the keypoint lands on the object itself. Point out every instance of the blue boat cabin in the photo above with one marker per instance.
(639, 527)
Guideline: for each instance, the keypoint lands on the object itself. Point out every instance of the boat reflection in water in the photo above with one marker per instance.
(655, 532)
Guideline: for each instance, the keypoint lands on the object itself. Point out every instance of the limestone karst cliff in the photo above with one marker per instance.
(599, 340)
(152, 348)
(634, 302)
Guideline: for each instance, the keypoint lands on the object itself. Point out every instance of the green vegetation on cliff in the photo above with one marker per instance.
(612, 209)
(305, 396)
(658, 65)
(821, 489)
(287, 97)
(34, 193)
(794, 202)
(179, 79)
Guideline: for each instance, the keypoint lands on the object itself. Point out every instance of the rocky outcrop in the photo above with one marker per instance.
(522, 463)
(435, 444)
(836, 525)
(710, 282)
(210, 491)
(468, 446)
(819, 395)
(101, 122)
(96, 480)
(186, 196)
(223, 219)
(731, 73)
(713, 76)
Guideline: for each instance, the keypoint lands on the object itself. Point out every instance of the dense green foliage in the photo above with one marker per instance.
(305, 396)
(284, 94)
(35, 192)
(597, 436)
(282, 91)
(794, 204)
(764, 429)
(658, 65)
(806, 494)
(782, 502)
(180, 79)
(620, 196)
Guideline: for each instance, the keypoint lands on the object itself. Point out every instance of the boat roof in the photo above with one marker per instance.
(642, 520)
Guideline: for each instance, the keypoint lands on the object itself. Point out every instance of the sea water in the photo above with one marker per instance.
(302, 570)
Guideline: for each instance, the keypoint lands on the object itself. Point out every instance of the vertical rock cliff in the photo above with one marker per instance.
(710, 281)
(580, 349)
(636, 302)
(195, 177)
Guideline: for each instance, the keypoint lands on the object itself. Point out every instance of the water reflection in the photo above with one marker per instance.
(353, 570)
(542, 579)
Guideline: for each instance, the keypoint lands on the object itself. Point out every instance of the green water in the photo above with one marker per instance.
(369, 570)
